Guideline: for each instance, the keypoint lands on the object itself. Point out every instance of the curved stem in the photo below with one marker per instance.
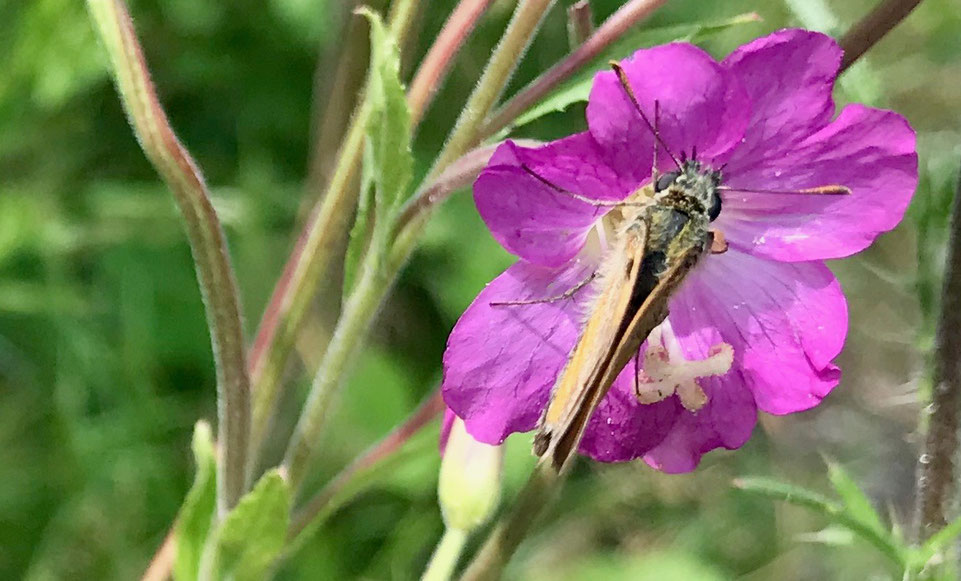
(312, 256)
(207, 244)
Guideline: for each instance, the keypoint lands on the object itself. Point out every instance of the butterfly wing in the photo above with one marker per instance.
(560, 435)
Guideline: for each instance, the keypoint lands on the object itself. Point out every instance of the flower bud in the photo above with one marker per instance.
(470, 479)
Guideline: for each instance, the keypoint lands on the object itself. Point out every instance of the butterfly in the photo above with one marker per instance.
(664, 231)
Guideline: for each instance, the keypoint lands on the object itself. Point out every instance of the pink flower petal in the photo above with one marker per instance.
(534, 221)
(725, 422)
(502, 361)
(789, 76)
(872, 152)
(445, 426)
(701, 105)
(786, 322)
(623, 429)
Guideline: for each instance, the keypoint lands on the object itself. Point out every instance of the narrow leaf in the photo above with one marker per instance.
(252, 535)
(856, 503)
(937, 543)
(388, 128)
(388, 162)
(881, 539)
(196, 514)
(362, 231)
(788, 493)
(578, 87)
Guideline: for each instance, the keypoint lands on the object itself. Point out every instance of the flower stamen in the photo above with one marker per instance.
(662, 377)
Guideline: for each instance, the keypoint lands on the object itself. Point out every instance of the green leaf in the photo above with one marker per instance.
(253, 534)
(936, 543)
(388, 127)
(578, 87)
(788, 493)
(388, 162)
(362, 230)
(856, 503)
(881, 539)
(196, 514)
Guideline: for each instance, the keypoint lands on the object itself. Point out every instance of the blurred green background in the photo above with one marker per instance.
(104, 356)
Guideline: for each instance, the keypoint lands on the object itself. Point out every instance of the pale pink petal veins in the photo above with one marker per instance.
(530, 218)
(701, 105)
(501, 361)
(786, 322)
(869, 151)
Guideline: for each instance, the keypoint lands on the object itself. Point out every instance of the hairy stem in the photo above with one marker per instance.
(207, 243)
(320, 504)
(434, 67)
(936, 466)
(509, 51)
(356, 318)
(313, 254)
(612, 29)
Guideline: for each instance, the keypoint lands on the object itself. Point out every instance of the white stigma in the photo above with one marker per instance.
(663, 375)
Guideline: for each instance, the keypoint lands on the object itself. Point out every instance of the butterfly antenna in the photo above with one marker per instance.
(626, 85)
(657, 137)
(828, 190)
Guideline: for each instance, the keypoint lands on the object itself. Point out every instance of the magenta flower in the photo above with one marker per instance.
(765, 114)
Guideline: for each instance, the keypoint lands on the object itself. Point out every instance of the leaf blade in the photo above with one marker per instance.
(253, 533)
(196, 513)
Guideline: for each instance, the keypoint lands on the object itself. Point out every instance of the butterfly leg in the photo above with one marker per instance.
(563, 296)
(576, 196)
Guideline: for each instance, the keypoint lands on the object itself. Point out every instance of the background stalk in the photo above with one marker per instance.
(207, 243)
(936, 466)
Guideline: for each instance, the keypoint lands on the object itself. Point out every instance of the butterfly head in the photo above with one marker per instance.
(696, 181)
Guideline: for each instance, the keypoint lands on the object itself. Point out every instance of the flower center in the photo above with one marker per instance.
(665, 373)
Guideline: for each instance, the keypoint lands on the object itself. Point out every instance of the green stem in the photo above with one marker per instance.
(333, 493)
(207, 244)
(378, 273)
(619, 23)
(446, 555)
(512, 46)
(509, 51)
(313, 255)
(356, 318)
(537, 495)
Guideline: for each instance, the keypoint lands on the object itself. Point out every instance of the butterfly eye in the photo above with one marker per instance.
(665, 181)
